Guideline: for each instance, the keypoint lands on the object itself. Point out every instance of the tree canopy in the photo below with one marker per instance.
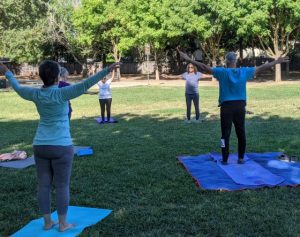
(37, 29)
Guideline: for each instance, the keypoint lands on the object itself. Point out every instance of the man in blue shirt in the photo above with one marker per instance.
(232, 97)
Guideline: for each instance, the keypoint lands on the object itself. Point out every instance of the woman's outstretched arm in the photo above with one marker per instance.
(202, 67)
(80, 88)
(27, 93)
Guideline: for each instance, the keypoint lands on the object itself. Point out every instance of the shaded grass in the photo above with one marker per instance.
(135, 172)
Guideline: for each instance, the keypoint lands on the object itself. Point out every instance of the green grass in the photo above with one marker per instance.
(135, 171)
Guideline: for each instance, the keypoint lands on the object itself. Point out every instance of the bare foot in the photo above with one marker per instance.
(50, 225)
(65, 227)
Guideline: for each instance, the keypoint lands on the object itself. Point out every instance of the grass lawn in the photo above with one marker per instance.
(135, 171)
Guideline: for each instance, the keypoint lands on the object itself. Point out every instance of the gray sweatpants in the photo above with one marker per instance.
(53, 164)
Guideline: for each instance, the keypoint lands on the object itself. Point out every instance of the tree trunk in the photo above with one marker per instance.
(156, 66)
(117, 57)
(84, 70)
(278, 72)
(253, 55)
(241, 50)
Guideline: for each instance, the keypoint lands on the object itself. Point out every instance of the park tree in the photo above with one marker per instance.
(208, 22)
(144, 21)
(183, 24)
(60, 30)
(21, 29)
(163, 23)
(221, 35)
(275, 23)
(99, 24)
(34, 30)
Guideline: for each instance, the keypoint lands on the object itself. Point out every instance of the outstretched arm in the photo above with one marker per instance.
(203, 68)
(78, 89)
(171, 77)
(206, 75)
(25, 92)
(271, 64)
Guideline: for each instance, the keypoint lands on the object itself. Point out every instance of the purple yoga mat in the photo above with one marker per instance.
(111, 120)
(18, 164)
(249, 173)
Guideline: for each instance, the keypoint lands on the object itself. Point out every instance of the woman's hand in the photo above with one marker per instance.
(3, 69)
(283, 60)
(114, 65)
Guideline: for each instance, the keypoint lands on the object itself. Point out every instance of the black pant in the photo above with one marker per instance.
(233, 112)
(189, 98)
(103, 103)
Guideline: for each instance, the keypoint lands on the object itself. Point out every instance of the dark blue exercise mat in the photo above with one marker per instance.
(210, 176)
(18, 164)
(111, 120)
(82, 217)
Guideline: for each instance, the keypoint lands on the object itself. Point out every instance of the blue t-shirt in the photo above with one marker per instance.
(52, 106)
(191, 82)
(232, 82)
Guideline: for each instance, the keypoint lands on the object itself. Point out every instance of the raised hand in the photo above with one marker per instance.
(283, 60)
(114, 65)
(3, 69)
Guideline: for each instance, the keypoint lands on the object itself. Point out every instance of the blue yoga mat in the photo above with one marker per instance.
(81, 216)
(18, 164)
(83, 151)
(79, 148)
(111, 120)
(209, 176)
(250, 173)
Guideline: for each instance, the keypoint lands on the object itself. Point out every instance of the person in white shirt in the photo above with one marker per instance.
(105, 97)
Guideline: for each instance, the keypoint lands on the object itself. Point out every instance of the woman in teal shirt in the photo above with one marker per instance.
(52, 144)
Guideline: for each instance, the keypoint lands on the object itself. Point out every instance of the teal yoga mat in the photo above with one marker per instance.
(83, 217)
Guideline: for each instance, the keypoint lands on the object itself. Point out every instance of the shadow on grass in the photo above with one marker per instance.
(134, 171)
(134, 127)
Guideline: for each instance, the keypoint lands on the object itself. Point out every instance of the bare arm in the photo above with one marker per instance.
(171, 77)
(271, 64)
(75, 90)
(113, 75)
(206, 75)
(203, 68)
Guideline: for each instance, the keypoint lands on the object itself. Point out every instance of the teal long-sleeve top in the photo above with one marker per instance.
(52, 106)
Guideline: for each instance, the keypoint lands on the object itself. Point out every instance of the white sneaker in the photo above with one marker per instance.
(198, 120)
